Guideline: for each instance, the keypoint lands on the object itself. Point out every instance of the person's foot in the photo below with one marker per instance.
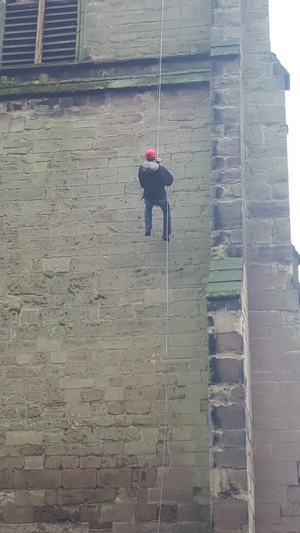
(148, 232)
(165, 238)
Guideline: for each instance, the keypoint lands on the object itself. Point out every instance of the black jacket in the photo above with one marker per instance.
(154, 178)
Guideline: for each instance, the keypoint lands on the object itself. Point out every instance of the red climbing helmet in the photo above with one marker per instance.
(151, 154)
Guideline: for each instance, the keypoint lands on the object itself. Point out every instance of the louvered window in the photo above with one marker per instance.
(39, 31)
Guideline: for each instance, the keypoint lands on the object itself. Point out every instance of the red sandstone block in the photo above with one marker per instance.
(76, 478)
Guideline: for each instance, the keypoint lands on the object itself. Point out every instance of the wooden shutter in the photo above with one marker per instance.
(60, 31)
(55, 40)
(19, 33)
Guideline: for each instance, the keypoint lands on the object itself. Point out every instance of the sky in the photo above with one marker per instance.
(285, 43)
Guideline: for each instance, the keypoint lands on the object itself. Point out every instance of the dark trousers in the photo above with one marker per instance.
(165, 207)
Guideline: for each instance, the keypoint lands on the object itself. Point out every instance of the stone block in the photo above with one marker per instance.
(228, 417)
(227, 215)
(100, 495)
(17, 438)
(18, 515)
(167, 512)
(114, 478)
(27, 498)
(34, 462)
(76, 383)
(231, 458)
(6, 480)
(118, 512)
(232, 512)
(274, 253)
(231, 341)
(78, 478)
(48, 345)
(227, 370)
(59, 357)
(91, 461)
(69, 461)
(114, 394)
(40, 479)
(268, 209)
(70, 496)
(188, 512)
(145, 512)
(277, 473)
(259, 232)
(268, 513)
(144, 478)
(54, 514)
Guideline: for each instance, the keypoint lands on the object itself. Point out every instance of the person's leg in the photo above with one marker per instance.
(148, 217)
(165, 206)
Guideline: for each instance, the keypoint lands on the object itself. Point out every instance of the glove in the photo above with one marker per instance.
(158, 160)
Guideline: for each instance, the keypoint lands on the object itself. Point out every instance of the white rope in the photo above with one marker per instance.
(166, 231)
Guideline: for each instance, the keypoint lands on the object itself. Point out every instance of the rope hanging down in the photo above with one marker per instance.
(159, 90)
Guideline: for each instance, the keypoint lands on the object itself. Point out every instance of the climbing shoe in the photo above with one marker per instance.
(165, 238)
(148, 232)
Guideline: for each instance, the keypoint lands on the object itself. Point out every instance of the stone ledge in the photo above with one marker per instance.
(78, 86)
(225, 50)
(70, 78)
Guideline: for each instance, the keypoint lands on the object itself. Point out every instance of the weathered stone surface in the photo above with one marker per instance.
(82, 327)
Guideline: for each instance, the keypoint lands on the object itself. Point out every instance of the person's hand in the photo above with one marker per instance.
(158, 160)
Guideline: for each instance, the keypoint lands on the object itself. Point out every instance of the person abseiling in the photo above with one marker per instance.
(153, 179)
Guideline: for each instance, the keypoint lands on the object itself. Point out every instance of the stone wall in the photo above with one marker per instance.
(273, 296)
(114, 30)
(83, 313)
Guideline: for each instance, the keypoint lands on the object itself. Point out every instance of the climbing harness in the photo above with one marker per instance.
(166, 229)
